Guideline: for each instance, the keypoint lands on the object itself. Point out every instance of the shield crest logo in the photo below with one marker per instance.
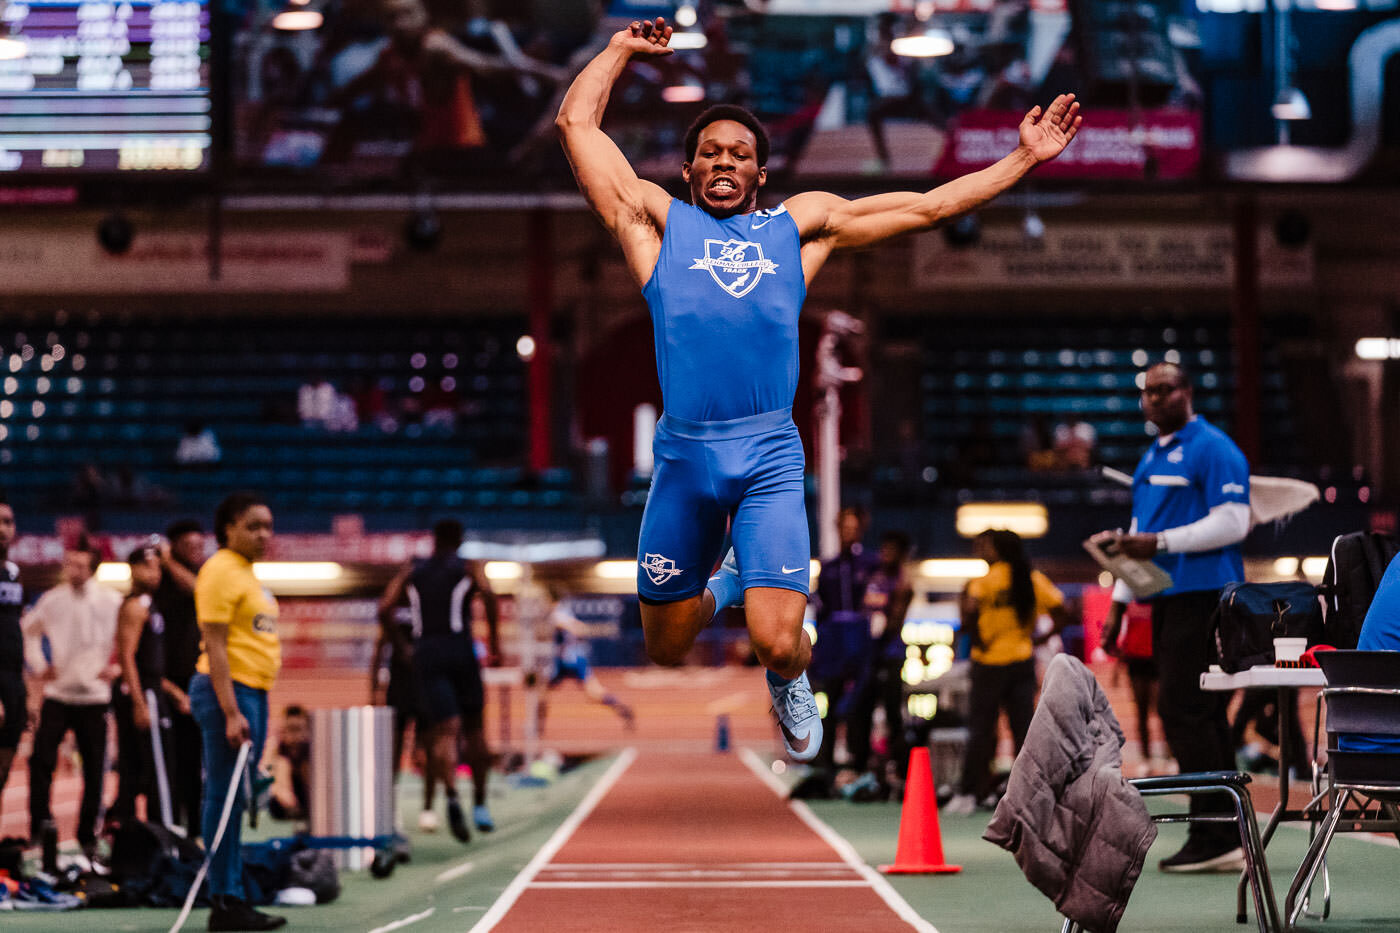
(660, 569)
(735, 265)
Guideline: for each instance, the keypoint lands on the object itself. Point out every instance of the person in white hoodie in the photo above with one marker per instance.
(79, 619)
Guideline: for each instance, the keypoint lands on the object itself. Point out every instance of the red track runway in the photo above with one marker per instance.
(695, 842)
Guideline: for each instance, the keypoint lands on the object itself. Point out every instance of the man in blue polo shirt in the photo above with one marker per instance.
(1190, 513)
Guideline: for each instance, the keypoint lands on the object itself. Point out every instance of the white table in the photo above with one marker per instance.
(1264, 676)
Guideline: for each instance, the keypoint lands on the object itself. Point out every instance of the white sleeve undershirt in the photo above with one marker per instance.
(1224, 525)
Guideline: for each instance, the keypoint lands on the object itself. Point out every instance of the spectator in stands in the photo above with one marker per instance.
(14, 699)
(133, 491)
(181, 554)
(999, 612)
(228, 694)
(1074, 444)
(291, 770)
(198, 446)
(1038, 443)
(88, 493)
(316, 401)
(887, 599)
(78, 619)
(141, 655)
(841, 650)
(1190, 513)
(440, 404)
(895, 91)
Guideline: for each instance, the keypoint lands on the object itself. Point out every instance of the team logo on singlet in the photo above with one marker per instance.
(660, 569)
(735, 265)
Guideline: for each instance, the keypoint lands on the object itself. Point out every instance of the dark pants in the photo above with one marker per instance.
(89, 724)
(882, 687)
(995, 687)
(136, 763)
(186, 771)
(1195, 721)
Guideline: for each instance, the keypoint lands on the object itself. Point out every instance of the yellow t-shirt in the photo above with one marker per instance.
(227, 593)
(1004, 639)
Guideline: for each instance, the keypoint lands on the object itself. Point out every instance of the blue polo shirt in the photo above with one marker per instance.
(1179, 483)
(1380, 632)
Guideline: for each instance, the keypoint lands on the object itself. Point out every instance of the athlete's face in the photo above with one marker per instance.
(7, 528)
(725, 176)
(189, 549)
(1166, 398)
(251, 532)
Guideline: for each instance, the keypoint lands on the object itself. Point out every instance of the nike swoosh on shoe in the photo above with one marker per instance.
(798, 745)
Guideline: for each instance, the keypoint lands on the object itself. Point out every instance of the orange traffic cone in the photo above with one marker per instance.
(920, 842)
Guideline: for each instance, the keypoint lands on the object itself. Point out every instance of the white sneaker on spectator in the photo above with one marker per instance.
(428, 821)
(960, 805)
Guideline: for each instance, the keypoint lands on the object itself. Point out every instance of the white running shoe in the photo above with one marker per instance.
(428, 821)
(798, 718)
(960, 805)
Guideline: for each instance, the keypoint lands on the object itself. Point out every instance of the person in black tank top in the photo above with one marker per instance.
(438, 592)
(14, 700)
(141, 654)
(181, 555)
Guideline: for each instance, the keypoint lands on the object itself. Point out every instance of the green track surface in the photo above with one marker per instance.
(988, 896)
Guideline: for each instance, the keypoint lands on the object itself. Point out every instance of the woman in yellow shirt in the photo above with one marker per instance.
(999, 611)
(237, 666)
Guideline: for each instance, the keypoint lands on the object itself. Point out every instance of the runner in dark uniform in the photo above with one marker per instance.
(439, 591)
(13, 698)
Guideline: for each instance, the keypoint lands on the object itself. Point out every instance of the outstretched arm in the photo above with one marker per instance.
(830, 221)
(633, 210)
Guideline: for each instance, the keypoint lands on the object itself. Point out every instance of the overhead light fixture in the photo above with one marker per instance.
(1027, 519)
(686, 15)
(297, 20)
(688, 41)
(932, 42)
(683, 93)
(503, 570)
(1290, 104)
(616, 569)
(1336, 5)
(957, 568)
(310, 571)
(1378, 348)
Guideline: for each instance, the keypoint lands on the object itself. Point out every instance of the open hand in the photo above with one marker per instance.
(645, 37)
(1046, 134)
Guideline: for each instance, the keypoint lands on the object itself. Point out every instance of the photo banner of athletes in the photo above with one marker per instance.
(417, 91)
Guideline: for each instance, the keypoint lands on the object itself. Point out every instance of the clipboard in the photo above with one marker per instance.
(1143, 577)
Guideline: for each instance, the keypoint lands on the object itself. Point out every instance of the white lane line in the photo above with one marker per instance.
(699, 884)
(709, 866)
(556, 842)
(661, 875)
(400, 924)
(455, 872)
(843, 848)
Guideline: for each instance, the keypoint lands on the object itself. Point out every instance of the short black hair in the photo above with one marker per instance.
(85, 545)
(447, 536)
(231, 510)
(184, 526)
(293, 709)
(727, 112)
(1183, 374)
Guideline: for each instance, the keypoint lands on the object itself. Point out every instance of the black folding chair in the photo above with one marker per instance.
(1363, 696)
(1234, 785)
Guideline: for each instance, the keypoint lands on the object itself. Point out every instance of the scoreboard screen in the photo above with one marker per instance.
(105, 87)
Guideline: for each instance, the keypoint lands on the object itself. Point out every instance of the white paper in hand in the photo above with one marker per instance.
(1143, 577)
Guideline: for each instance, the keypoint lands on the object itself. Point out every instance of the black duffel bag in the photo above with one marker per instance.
(1250, 616)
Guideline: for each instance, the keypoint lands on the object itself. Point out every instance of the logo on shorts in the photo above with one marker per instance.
(735, 265)
(660, 569)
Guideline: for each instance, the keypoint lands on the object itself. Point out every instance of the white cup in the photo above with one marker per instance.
(1289, 649)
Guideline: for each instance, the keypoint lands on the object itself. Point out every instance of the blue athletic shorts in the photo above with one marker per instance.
(576, 669)
(749, 468)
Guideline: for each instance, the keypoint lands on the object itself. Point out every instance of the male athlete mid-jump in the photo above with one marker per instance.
(725, 282)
